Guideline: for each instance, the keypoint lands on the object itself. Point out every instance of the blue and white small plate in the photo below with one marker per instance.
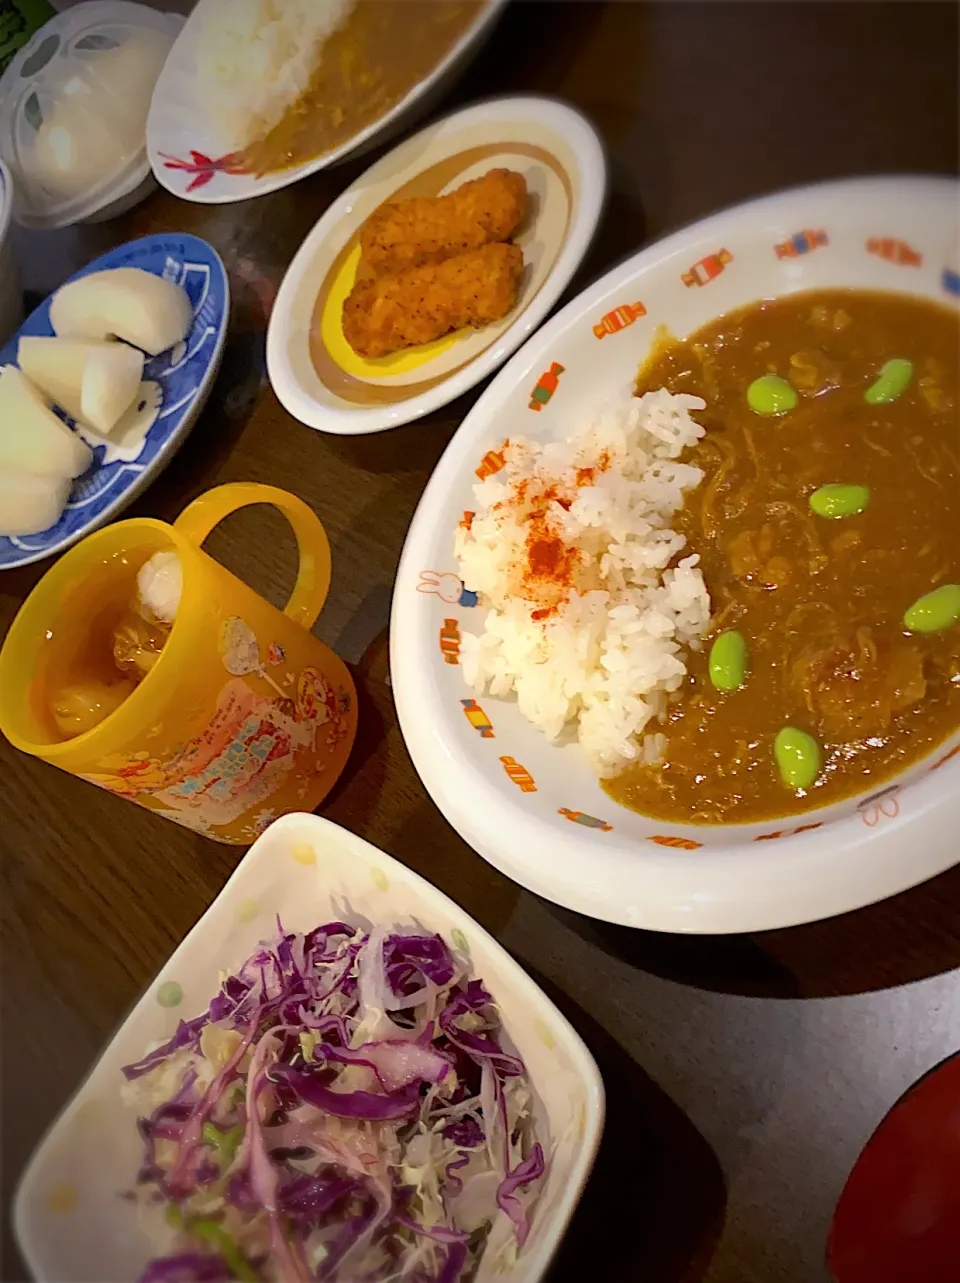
(176, 385)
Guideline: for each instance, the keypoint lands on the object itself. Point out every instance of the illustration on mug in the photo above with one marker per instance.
(253, 746)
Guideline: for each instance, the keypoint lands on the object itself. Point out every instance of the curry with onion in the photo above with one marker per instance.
(828, 527)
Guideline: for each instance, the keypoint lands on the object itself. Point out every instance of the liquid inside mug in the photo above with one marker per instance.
(244, 715)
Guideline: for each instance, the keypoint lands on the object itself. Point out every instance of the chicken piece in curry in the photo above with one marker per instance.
(828, 529)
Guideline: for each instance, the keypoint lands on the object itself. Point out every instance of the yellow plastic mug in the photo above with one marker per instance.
(244, 716)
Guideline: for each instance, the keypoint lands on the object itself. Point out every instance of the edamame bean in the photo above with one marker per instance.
(728, 661)
(798, 757)
(935, 611)
(771, 395)
(894, 380)
(839, 500)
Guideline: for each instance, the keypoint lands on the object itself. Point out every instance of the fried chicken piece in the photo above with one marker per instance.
(409, 233)
(386, 313)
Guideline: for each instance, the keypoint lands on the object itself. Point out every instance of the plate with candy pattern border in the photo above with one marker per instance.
(534, 809)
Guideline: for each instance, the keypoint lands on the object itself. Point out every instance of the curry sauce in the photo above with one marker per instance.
(382, 51)
(819, 601)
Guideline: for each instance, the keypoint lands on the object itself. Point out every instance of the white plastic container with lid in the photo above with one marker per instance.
(73, 111)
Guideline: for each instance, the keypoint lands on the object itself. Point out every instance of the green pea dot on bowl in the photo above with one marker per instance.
(169, 994)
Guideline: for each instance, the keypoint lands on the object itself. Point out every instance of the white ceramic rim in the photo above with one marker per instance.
(275, 181)
(808, 877)
(587, 147)
(538, 1002)
(164, 454)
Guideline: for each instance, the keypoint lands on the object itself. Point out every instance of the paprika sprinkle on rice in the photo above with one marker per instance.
(551, 561)
(587, 609)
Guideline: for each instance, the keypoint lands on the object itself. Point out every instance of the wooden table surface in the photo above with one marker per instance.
(744, 1074)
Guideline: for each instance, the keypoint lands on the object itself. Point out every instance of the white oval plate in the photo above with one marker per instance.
(193, 161)
(547, 823)
(314, 372)
(69, 1218)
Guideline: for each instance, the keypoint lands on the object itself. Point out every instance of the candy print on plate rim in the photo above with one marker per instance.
(640, 872)
(69, 1218)
(176, 385)
(192, 160)
(317, 375)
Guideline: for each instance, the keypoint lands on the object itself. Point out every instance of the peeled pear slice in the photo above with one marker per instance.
(111, 383)
(31, 504)
(55, 368)
(32, 438)
(94, 380)
(125, 303)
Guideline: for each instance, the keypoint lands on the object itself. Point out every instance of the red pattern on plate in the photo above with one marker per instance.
(205, 167)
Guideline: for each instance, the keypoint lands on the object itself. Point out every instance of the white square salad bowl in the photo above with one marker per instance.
(536, 811)
(69, 1216)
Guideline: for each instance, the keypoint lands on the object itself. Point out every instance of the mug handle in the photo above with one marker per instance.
(313, 575)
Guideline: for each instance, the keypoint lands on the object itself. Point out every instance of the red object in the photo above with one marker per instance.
(618, 319)
(491, 462)
(898, 1219)
(450, 641)
(707, 269)
(205, 167)
(788, 833)
(519, 774)
(547, 384)
(551, 562)
(894, 251)
(946, 757)
(801, 243)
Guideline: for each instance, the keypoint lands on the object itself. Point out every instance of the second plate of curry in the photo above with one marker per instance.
(255, 96)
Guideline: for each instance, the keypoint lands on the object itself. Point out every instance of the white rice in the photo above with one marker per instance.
(605, 659)
(255, 58)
